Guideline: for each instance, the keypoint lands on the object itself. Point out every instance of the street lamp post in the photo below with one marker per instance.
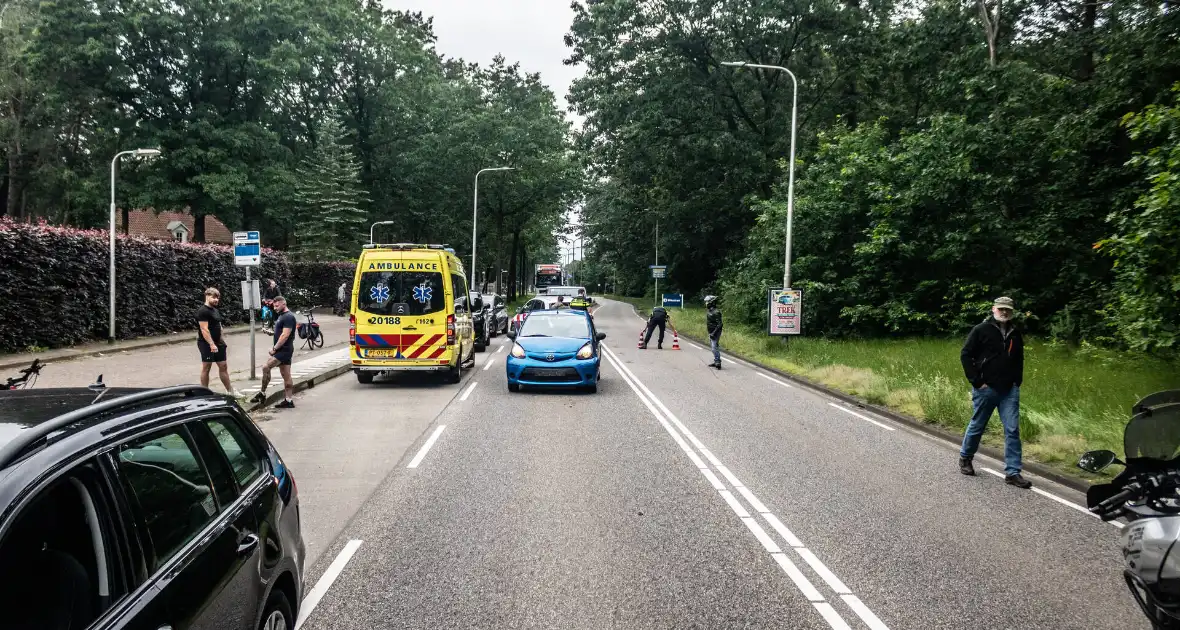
(475, 213)
(139, 153)
(373, 227)
(791, 169)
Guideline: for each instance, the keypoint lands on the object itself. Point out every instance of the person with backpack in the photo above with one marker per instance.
(659, 317)
(713, 324)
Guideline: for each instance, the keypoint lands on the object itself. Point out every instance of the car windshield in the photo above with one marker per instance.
(1155, 434)
(554, 325)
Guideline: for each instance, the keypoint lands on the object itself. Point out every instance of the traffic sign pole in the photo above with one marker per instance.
(248, 253)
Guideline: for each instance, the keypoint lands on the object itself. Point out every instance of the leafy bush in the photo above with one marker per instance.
(55, 284)
(319, 281)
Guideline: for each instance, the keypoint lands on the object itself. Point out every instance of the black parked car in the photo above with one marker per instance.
(497, 313)
(479, 319)
(144, 509)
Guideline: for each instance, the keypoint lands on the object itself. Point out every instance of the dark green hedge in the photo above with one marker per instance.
(53, 285)
(316, 282)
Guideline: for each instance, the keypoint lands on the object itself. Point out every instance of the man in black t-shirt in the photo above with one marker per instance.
(659, 318)
(281, 354)
(210, 342)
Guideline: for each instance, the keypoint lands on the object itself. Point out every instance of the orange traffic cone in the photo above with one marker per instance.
(641, 331)
(675, 340)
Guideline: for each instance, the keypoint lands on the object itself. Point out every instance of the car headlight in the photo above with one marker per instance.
(517, 351)
(586, 352)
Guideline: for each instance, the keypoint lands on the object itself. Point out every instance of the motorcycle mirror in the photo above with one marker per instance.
(1097, 461)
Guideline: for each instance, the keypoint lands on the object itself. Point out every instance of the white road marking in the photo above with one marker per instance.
(717, 485)
(1056, 498)
(774, 380)
(733, 504)
(831, 616)
(667, 419)
(426, 447)
(782, 530)
(760, 534)
(862, 417)
(823, 572)
(752, 500)
(800, 580)
(862, 611)
(489, 363)
(325, 582)
(501, 348)
(469, 390)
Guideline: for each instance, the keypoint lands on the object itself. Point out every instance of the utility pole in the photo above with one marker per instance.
(657, 295)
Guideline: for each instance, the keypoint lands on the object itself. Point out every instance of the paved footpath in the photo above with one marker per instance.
(131, 364)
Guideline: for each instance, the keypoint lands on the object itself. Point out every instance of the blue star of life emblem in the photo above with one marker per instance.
(422, 293)
(379, 293)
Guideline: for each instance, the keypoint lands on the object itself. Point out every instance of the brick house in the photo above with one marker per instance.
(173, 226)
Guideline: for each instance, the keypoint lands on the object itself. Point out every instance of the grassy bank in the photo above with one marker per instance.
(1073, 400)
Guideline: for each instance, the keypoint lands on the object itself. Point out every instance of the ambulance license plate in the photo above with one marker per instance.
(380, 354)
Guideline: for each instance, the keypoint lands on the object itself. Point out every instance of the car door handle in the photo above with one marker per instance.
(247, 544)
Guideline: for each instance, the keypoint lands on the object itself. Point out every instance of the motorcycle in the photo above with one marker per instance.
(27, 378)
(1147, 494)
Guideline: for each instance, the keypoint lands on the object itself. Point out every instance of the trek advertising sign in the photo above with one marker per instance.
(785, 310)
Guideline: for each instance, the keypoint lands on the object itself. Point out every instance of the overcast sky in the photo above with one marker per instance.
(525, 31)
(531, 32)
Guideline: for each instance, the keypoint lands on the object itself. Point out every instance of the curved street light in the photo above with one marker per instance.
(791, 170)
(475, 216)
(138, 153)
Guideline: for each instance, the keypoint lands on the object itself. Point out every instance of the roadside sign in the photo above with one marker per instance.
(659, 271)
(674, 299)
(785, 311)
(251, 295)
(247, 249)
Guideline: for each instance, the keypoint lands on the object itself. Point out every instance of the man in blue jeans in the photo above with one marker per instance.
(993, 362)
(713, 325)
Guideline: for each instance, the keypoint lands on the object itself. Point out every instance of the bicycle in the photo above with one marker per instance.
(27, 378)
(310, 332)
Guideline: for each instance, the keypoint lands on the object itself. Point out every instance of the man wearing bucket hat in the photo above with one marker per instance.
(993, 362)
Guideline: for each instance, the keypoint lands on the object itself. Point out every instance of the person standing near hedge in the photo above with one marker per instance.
(210, 342)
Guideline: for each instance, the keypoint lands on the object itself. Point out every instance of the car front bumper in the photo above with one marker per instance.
(569, 373)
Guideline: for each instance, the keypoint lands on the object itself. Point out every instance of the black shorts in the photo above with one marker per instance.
(284, 357)
(209, 355)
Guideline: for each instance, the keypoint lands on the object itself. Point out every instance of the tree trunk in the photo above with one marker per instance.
(12, 203)
(991, 28)
(198, 228)
(126, 212)
(513, 265)
(1086, 62)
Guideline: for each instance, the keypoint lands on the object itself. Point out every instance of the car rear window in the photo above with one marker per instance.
(553, 325)
(401, 292)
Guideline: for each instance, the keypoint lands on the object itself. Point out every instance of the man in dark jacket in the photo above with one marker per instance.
(713, 325)
(993, 362)
(659, 317)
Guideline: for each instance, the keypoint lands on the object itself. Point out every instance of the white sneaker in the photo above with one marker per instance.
(236, 394)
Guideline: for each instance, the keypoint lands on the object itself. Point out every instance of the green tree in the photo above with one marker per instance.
(330, 219)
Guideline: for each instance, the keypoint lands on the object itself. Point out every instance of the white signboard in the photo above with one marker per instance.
(247, 249)
(659, 271)
(785, 308)
(251, 295)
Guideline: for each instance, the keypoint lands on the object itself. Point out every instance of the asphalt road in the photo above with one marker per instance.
(677, 496)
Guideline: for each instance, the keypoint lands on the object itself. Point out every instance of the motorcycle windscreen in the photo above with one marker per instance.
(1154, 433)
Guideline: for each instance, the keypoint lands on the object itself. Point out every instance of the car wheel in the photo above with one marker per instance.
(514, 387)
(480, 346)
(278, 614)
(455, 374)
(364, 378)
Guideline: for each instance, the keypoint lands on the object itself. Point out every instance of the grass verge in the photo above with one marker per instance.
(1072, 400)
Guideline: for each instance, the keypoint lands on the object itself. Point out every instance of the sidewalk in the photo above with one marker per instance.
(169, 360)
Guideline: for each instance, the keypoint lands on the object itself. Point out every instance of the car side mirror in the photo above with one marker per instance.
(600, 336)
(519, 310)
(1097, 461)
(512, 335)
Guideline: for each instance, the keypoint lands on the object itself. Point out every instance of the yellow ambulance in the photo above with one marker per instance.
(410, 312)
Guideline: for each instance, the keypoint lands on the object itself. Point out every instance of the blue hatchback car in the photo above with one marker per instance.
(555, 348)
